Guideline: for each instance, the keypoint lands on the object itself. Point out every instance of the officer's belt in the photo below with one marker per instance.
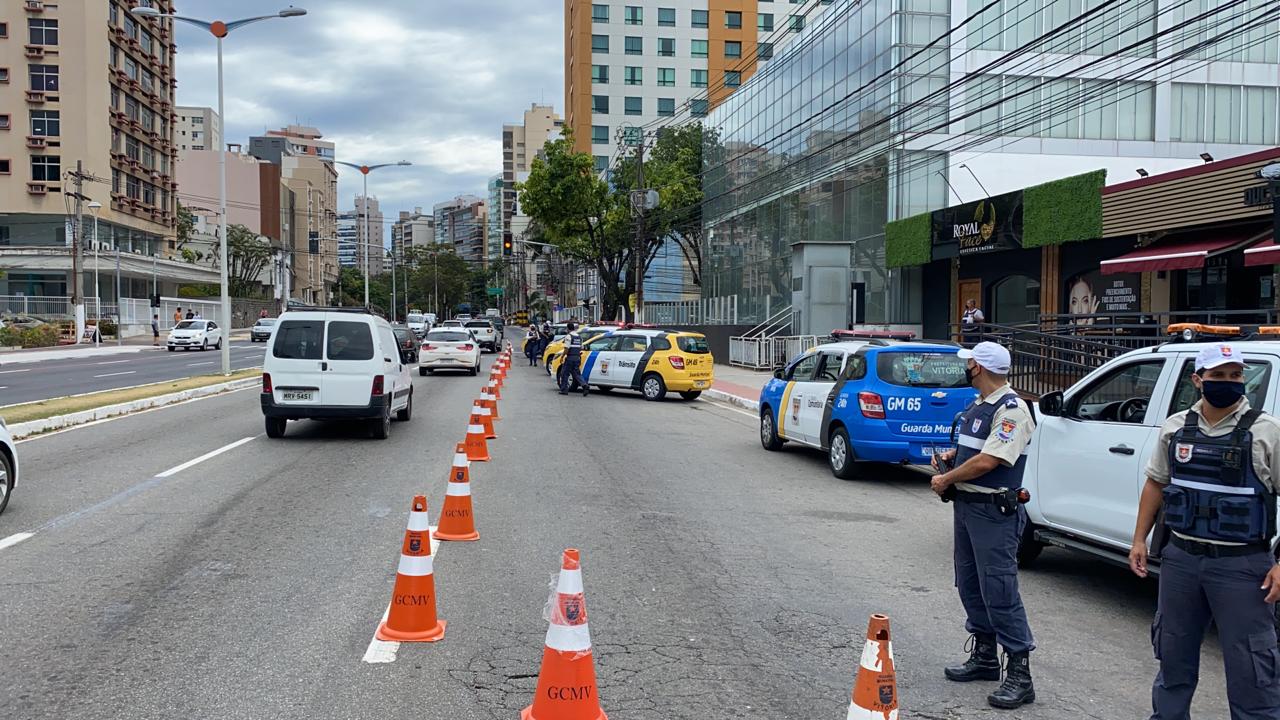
(1192, 547)
(969, 496)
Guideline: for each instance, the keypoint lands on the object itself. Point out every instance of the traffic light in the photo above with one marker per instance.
(507, 246)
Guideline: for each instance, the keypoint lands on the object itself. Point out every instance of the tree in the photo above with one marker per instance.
(247, 256)
(440, 280)
(676, 172)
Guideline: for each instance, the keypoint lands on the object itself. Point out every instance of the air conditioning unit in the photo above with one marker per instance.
(36, 141)
(35, 188)
(34, 5)
(35, 97)
(34, 51)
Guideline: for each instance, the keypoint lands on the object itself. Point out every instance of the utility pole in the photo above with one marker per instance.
(638, 200)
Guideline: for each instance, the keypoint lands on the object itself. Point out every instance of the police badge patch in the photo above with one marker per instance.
(1182, 452)
(977, 425)
(1006, 430)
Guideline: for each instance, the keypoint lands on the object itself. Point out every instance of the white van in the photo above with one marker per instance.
(335, 363)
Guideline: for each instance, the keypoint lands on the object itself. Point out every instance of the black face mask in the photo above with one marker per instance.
(1222, 393)
(969, 373)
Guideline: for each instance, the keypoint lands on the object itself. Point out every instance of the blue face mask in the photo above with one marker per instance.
(1222, 393)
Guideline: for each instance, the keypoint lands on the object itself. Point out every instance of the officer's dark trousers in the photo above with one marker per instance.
(571, 373)
(1193, 589)
(986, 557)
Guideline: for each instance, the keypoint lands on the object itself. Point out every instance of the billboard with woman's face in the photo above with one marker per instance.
(1092, 293)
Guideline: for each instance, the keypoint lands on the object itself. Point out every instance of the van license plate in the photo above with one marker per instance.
(297, 395)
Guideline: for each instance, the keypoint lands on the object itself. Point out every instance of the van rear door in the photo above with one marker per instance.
(350, 357)
(296, 361)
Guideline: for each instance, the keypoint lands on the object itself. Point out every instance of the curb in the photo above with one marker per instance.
(21, 431)
(731, 399)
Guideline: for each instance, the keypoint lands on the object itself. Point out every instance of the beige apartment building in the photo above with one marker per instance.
(87, 83)
(197, 128)
(410, 230)
(374, 251)
(520, 145)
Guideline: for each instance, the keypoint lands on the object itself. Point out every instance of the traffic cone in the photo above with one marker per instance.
(457, 522)
(477, 448)
(489, 401)
(481, 415)
(875, 694)
(461, 471)
(495, 377)
(494, 389)
(412, 616)
(567, 681)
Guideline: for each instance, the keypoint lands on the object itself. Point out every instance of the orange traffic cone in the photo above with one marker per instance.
(496, 380)
(477, 448)
(481, 415)
(567, 681)
(489, 401)
(494, 389)
(461, 471)
(457, 522)
(412, 616)
(875, 694)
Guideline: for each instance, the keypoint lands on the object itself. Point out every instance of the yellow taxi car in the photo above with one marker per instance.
(649, 360)
(556, 346)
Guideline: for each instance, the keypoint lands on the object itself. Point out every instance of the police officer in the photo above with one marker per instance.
(1214, 472)
(570, 369)
(989, 519)
(970, 319)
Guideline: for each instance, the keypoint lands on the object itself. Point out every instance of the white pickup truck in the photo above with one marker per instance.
(1086, 463)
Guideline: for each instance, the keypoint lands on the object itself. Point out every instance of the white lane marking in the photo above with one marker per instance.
(384, 651)
(4, 387)
(126, 372)
(203, 363)
(211, 454)
(73, 428)
(113, 362)
(14, 539)
(6, 372)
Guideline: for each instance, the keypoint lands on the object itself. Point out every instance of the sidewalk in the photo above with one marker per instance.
(136, 344)
(739, 386)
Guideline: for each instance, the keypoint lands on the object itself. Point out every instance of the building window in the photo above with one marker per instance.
(133, 187)
(634, 45)
(131, 108)
(795, 23)
(632, 15)
(600, 13)
(132, 148)
(4, 29)
(764, 51)
(600, 43)
(764, 22)
(600, 104)
(697, 78)
(148, 43)
(4, 122)
(4, 75)
(46, 168)
(149, 193)
(698, 48)
(666, 107)
(44, 77)
(732, 78)
(600, 74)
(46, 123)
(633, 75)
(115, 56)
(666, 47)
(667, 17)
(666, 77)
(733, 19)
(197, 120)
(732, 49)
(130, 26)
(6, 166)
(601, 162)
(633, 106)
(700, 18)
(600, 134)
(130, 68)
(197, 147)
(698, 108)
(43, 32)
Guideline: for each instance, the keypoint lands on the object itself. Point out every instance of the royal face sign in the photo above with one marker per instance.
(988, 225)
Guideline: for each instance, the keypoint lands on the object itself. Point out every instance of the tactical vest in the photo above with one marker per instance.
(1213, 492)
(975, 428)
(573, 343)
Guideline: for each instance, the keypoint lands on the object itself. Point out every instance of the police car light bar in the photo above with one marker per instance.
(1188, 332)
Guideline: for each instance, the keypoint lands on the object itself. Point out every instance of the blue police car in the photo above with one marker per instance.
(867, 400)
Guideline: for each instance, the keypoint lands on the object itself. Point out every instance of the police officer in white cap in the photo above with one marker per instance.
(1213, 471)
(985, 485)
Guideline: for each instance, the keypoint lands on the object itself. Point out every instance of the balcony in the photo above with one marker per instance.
(34, 52)
(36, 141)
(37, 188)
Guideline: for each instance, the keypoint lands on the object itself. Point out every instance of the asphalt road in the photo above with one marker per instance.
(28, 382)
(722, 581)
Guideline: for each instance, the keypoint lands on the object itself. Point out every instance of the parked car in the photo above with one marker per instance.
(449, 349)
(485, 334)
(8, 465)
(418, 323)
(261, 330)
(189, 334)
(335, 363)
(408, 342)
(650, 361)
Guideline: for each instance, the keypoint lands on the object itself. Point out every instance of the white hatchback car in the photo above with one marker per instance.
(449, 348)
(330, 364)
(189, 334)
(8, 465)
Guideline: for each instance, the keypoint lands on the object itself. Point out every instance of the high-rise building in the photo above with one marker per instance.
(494, 230)
(412, 229)
(640, 62)
(348, 239)
(87, 84)
(460, 223)
(197, 128)
(374, 252)
(520, 145)
(292, 140)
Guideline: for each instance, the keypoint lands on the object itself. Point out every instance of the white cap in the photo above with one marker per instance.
(1212, 356)
(989, 355)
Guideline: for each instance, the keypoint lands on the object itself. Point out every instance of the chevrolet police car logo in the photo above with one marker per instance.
(939, 394)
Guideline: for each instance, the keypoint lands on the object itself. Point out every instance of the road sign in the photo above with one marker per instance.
(495, 291)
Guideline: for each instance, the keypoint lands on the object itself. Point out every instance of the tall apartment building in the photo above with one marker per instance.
(87, 83)
(373, 251)
(460, 223)
(412, 229)
(520, 145)
(348, 239)
(197, 128)
(632, 63)
(299, 140)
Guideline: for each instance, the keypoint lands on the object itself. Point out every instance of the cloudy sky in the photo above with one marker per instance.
(428, 81)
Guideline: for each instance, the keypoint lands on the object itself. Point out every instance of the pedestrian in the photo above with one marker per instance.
(570, 369)
(983, 477)
(262, 313)
(1213, 471)
(970, 320)
(155, 330)
(177, 316)
(190, 315)
(198, 316)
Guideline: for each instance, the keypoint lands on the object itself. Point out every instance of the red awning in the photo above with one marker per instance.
(1264, 253)
(1177, 254)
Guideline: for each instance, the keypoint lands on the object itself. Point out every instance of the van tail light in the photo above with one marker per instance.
(266, 384)
(677, 362)
(378, 388)
(872, 405)
(465, 347)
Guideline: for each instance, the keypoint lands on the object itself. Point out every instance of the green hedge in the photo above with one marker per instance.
(38, 336)
(1063, 211)
(908, 241)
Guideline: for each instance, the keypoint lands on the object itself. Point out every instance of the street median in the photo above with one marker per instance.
(29, 419)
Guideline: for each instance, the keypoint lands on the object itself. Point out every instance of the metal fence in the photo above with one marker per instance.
(767, 353)
(704, 311)
(1043, 362)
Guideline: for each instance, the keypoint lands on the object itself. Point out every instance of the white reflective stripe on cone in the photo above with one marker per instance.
(415, 566)
(483, 411)
(458, 489)
(418, 521)
(460, 460)
(475, 430)
(574, 638)
(871, 655)
(487, 396)
(570, 582)
(857, 713)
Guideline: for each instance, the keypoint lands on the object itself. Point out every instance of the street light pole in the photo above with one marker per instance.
(365, 170)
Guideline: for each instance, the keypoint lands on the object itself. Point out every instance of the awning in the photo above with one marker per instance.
(1184, 254)
(1264, 253)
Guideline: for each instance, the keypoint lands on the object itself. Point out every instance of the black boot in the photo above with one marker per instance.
(1016, 690)
(982, 663)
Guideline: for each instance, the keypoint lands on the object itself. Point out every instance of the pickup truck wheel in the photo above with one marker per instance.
(1029, 548)
(840, 455)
